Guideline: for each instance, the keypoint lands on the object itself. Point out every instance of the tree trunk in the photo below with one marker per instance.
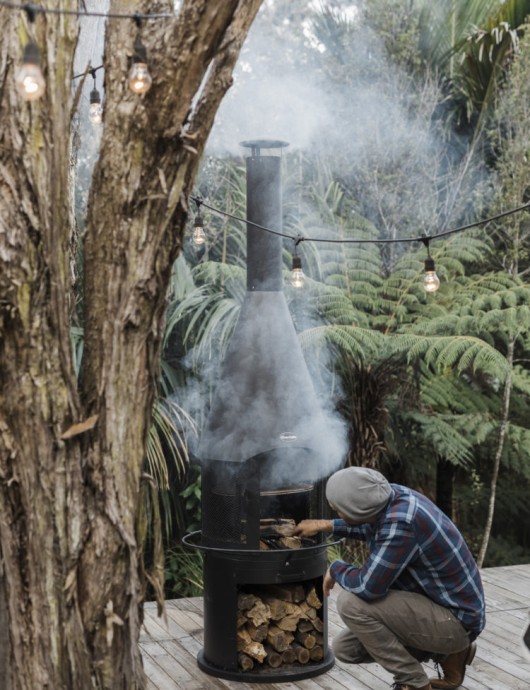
(71, 460)
(505, 418)
(5, 647)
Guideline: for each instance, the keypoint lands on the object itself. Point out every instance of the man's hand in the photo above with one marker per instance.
(329, 582)
(308, 528)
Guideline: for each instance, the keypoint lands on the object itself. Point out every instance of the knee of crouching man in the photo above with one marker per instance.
(350, 604)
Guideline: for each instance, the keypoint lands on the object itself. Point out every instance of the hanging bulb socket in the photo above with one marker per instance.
(431, 282)
(297, 274)
(139, 78)
(29, 80)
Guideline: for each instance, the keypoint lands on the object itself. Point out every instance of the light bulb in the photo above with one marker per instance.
(139, 78)
(297, 275)
(95, 111)
(29, 80)
(431, 282)
(199, 236)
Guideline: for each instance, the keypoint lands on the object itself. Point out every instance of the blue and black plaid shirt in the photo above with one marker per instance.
(414, 547)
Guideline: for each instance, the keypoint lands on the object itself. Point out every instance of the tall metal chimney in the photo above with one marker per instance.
(265, 400)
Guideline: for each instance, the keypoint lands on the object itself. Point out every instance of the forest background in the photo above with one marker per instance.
(404, 120)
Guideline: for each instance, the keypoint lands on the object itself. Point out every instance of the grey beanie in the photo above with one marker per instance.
(358, 493)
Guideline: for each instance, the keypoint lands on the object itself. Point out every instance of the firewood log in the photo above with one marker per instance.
(245, 662)
(306, 639)
(291, 542)
(245, 601)
(289, 622)
(278, 608)
(284, 527)
(258, 633)
(256, 650)
(274, 659)
(302, 654)
(241, 619)
(289, 656)
(259, 613)
(279, 639)
(308, 611)
(305, 625)
(313, 599)
(317, 653)
(318, 624)
(243, 638)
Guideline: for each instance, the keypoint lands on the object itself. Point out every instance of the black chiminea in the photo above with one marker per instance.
(265, 453)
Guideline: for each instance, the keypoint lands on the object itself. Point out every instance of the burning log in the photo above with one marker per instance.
(281, 527)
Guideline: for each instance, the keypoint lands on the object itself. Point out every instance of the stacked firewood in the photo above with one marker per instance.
(279, 624)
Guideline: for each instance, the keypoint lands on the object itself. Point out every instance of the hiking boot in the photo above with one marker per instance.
(454, 668)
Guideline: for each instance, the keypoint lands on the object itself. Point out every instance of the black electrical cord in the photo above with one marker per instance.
(422, 238)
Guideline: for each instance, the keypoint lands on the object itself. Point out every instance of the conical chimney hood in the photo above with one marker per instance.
(265, 402)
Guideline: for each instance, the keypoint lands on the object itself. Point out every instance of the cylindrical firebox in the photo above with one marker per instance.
(263, 457)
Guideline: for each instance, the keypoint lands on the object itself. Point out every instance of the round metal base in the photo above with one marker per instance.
(266, 674)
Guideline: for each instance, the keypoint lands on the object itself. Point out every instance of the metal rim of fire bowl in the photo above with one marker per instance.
(186, 540)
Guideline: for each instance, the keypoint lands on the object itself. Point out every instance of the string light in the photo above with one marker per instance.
(431, 281)
(139, 78)
(29, 81)
(95, 113)
(199, 236)
(297, 274)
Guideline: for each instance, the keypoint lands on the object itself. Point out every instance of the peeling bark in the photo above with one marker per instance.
(68, 501)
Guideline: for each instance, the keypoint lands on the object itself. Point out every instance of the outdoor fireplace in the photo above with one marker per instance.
(265, 453)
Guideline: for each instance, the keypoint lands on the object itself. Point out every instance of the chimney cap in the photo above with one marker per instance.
(257, 144)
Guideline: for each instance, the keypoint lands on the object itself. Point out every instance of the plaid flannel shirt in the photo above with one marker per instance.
(414, 547)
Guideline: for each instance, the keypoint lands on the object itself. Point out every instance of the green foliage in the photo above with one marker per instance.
(183, 574)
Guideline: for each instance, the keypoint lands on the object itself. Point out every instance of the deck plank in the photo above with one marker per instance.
(170, 646)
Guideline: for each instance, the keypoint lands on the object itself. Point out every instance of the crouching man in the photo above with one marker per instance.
(419, 594)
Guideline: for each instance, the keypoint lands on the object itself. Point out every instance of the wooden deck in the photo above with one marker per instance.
(501, 663)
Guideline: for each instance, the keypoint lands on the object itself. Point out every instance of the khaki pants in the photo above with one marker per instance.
(397, 631)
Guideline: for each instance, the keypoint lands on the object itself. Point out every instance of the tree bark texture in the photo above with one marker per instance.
(71, 455)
